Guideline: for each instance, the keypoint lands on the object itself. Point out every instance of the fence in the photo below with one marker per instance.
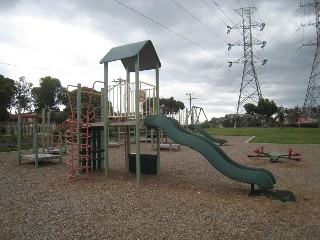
(11, 128)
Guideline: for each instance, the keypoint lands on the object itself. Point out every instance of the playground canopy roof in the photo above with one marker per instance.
(148, 58)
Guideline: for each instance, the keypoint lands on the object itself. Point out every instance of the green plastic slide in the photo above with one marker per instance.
(213, 153)
(207, 135)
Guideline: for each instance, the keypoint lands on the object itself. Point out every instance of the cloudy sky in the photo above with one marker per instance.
(66, 39)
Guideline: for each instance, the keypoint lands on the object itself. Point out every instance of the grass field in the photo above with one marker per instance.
(9, 143)
(273, 135)
(262, 135)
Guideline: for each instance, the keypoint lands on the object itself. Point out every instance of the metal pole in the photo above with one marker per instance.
(19, 135)
(128, 114)
(137, 113)
(79, 121)
(106, 121)
(43, 130)
(49, 138)
(103, 117)
(35, 141)
(158, 113)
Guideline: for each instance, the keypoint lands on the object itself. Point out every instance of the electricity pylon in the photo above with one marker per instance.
(313, 91)
(250, 88)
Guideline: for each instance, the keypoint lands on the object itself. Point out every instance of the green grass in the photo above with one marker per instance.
(14, 148)
(9, 143)
(273, 135)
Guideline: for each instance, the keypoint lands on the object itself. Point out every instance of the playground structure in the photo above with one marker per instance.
(275, 156)
(195, 115)
(86, 122)
(47, 151)
(123, 105)
(128, 105)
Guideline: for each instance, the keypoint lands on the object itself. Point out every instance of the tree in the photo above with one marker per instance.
(281, 115)
(229, 119)
(170, 105)
(22, 97)
(266, 109)
(7, 90)
(293, 114)
(250, 108)
(95, 103)
(87, 95)
(49, 95)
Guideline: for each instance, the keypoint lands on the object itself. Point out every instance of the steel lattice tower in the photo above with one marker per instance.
(313, 90)
(250, 88)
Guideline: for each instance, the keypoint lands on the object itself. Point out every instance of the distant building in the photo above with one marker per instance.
(307, 120)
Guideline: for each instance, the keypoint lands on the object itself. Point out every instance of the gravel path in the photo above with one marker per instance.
(188, 200)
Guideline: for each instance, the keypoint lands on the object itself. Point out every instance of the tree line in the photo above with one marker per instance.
(265, 114)
(22, 94)
(51, 96)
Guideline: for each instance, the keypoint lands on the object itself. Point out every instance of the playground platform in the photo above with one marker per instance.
(41, 157)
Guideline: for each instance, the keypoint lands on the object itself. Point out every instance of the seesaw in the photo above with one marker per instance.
(275, 156)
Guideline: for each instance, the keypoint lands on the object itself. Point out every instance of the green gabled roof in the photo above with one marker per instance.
(127, 54)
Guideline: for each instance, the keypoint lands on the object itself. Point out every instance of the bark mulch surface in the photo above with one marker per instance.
(188, 200)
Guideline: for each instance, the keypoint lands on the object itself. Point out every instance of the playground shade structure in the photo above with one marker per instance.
(215, 155)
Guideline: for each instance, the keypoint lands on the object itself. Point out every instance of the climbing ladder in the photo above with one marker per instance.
(78, 143)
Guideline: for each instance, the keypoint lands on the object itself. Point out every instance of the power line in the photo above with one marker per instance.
(278, 67)
(203, 24)
(284, 55)
(257, 10)
(223, 12)
(38, 69)
(280, 46)
(239, 3)
(213, 12)
(168, 29)
(35, 68)
(285, 23)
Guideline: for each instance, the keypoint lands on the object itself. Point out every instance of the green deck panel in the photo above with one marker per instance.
(213, 153)
(127, 54)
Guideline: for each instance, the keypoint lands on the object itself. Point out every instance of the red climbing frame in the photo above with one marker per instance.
(79, 138)
(78, 141)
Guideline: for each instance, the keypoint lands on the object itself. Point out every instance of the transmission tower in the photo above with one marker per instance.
(250, 88)
(313, 91)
